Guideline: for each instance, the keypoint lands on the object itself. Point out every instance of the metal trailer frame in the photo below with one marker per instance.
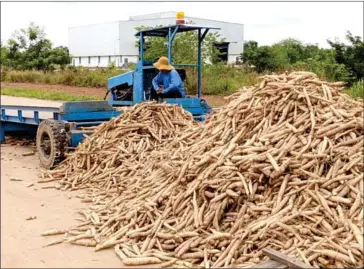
(196, 106)
(73, 114)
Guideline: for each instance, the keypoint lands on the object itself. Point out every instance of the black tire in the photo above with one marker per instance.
(51, 142)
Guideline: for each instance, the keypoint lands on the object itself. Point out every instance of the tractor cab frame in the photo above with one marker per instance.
(136, 86)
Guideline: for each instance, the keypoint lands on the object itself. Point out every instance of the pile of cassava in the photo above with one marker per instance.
(280, 166)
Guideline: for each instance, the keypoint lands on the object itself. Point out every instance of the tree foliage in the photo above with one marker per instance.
(352, 55)
(184, 48)
(3, 53)
(340, 62)
(30, 49)
(261, 58)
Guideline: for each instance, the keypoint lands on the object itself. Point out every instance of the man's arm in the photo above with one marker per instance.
(175, 81)
(155, 82)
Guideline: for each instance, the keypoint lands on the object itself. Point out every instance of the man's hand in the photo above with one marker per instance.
(160, 89)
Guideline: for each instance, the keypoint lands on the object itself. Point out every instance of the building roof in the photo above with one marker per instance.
(163, 31)
(171, 14)
(153, 16)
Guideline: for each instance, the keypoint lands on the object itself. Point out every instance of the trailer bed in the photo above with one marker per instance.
(25, 115)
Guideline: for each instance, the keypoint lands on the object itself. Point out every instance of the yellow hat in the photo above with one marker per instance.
(163, 64)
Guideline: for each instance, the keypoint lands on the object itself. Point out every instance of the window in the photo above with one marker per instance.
(98, 59)
(89, 60)
(109, 59)
(79, 60)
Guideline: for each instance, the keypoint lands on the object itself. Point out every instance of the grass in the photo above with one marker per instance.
(220, 80)
(80, 77)
(356, 90)
(46, 95)
(216, 80)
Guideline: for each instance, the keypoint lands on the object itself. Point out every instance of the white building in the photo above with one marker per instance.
(98, 45)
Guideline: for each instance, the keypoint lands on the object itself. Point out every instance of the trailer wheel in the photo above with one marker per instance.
(51, 142)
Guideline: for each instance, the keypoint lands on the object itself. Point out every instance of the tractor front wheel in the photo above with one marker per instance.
(51, 142)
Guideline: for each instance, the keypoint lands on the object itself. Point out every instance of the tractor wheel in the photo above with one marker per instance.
(51, 142)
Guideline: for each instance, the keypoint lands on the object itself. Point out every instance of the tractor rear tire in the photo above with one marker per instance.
(51, 142)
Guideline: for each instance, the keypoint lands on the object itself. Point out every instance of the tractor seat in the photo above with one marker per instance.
(182, 73)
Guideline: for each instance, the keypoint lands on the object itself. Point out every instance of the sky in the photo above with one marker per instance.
(264, 22)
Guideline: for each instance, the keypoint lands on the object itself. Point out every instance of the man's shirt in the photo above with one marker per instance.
(171, 82)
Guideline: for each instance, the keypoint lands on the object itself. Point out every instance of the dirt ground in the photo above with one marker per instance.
(213, 100)
(23, 197)
(21, 243)
(98, 92)
(21, 101)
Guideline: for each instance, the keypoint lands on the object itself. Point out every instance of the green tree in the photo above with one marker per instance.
(184, 48)
(352, 55)
(323, 64)
(3, 54)
(250, 51)
(261, 58)
(291, 54)
(292, 50)
(270, 58)
(30, 49)
(60, 56)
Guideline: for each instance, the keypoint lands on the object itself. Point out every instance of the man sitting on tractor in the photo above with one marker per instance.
(168, 83)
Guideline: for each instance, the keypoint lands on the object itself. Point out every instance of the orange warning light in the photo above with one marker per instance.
(180, 17)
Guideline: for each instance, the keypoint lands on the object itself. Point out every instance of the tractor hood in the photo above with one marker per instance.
(125, 78)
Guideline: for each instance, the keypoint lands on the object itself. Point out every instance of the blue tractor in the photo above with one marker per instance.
(136, 86)
(63, 131)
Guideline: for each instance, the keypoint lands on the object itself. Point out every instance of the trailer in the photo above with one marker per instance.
(56, 129)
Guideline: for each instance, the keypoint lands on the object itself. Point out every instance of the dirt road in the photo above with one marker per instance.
(213, 100)
(20, 101)
(21, 243)
(98, 92)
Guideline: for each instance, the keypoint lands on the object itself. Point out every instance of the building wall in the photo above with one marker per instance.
(233, 33)
(94, 40)
(96, 61)
(127, 33)
(117, 39)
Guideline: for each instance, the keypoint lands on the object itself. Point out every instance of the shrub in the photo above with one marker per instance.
(356, 90)
(81, 77)
(220, 79)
